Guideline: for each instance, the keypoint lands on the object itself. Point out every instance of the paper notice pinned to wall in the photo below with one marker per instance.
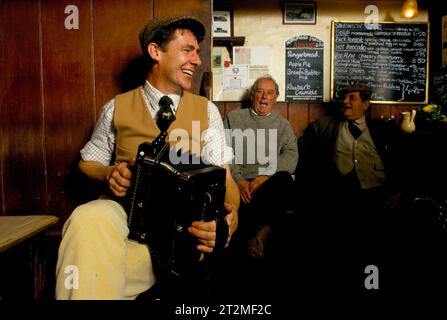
(231, 82)
(257, 59)
(235, 77)
(254, 56)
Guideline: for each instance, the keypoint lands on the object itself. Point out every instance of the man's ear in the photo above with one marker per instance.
(368, 103)
(154, 51)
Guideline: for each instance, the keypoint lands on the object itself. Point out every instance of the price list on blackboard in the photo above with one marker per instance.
(440, 83)
(304, 69)
(390, 57)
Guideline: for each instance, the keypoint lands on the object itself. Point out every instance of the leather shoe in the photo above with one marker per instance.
(256, 245)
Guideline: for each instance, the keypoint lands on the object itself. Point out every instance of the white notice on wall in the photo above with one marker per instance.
(235, 77)
(257, 59)
(256, 56)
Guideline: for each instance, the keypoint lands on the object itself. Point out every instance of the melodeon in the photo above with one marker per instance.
(166, 198)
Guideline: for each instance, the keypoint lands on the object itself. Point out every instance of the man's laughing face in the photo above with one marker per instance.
(264, 97)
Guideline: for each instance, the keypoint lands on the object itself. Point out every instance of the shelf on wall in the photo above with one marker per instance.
(228, 41)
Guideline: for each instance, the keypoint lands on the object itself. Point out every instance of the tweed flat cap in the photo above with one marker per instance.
(360, 87)
(153, 28)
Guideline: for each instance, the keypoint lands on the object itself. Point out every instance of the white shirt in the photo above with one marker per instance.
(361, 123)
(101, 145)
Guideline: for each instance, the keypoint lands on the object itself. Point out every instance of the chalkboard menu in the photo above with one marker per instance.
(304, 69)
(390, 57)
(440, 84)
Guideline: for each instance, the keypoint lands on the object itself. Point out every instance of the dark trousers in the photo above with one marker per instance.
(341, 233)
(251, 278)
(268, 205)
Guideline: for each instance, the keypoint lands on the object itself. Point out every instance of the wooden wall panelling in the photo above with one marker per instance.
(317, 110)
(380, 111)
(2, 157)
(298, 117)
(281, 109)
(68, 97)
(221, 107)
(119, 66)
(21, 122)
(202, 10)
(229, 106)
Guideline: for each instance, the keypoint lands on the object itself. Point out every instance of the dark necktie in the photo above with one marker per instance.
(165, 115)
(355, 131)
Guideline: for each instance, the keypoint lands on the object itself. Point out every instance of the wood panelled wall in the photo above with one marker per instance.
(54, 81)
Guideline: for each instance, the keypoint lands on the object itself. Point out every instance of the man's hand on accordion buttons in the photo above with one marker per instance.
(205, 232)
(120, 177)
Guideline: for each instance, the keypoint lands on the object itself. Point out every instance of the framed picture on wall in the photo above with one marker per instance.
(300, 12)
(222, 23)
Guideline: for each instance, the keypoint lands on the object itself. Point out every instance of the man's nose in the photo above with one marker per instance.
(346, 101)
(196, 58)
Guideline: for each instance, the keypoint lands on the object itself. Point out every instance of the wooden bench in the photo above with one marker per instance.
(22, 264)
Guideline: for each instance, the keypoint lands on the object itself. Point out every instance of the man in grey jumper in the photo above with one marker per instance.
(266, 155)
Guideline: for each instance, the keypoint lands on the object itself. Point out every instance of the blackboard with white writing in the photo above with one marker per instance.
(304, 69)
(440, 84)
(390, 57)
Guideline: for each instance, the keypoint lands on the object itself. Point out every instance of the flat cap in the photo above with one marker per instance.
(153, 28)
(360, 87)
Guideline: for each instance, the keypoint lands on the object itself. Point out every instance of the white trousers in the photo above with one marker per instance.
(96, 260)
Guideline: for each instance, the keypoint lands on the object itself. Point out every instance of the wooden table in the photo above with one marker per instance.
(22, 263)
(15, 229)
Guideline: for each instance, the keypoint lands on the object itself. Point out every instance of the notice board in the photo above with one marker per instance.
(390, 57)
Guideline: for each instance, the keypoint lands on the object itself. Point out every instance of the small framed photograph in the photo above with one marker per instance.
(300, 12)
(222, 23)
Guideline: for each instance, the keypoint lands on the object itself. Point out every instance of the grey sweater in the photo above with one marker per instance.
(262, 145)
